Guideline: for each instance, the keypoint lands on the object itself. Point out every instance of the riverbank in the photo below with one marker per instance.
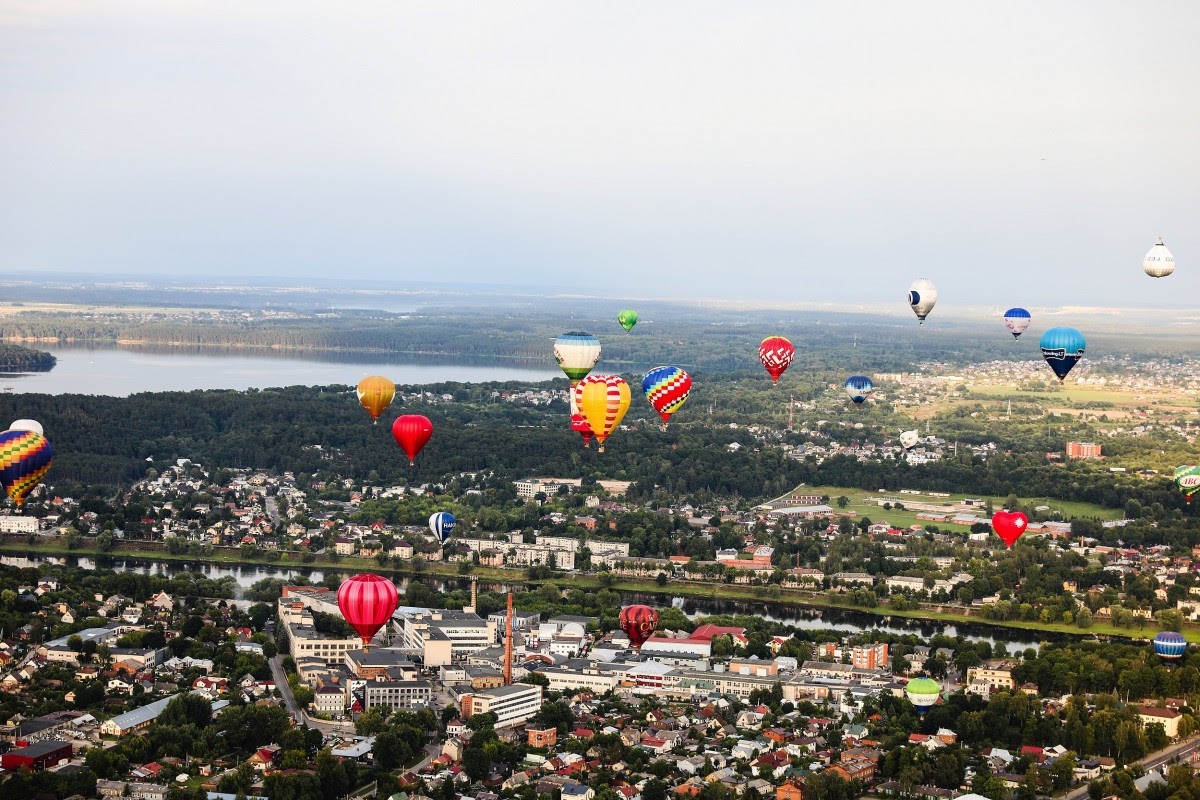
(706, 590)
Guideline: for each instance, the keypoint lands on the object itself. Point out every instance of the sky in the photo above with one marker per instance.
(1015, 153)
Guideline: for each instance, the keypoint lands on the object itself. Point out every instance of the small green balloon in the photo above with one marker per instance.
(628, 318)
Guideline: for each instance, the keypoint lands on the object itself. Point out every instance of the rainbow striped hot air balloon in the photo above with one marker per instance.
(603, 399)
(667, 388)
(1170, 646)
(923, 693)
(25, 458)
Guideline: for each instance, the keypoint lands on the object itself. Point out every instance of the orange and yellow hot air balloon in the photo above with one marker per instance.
(375, 392)
(603, 399)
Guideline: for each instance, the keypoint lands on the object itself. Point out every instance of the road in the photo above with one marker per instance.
(326, 727)
(1176, 751)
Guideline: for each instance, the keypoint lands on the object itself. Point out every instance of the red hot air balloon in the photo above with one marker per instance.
(367, 602)
(776, 354)
(1009, 526)
(412, 432)
(639, 623)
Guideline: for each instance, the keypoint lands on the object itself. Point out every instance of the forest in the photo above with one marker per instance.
(14, 358)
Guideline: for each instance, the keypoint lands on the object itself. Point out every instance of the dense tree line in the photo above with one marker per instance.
(14, 358)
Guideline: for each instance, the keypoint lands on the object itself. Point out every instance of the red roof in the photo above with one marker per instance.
(707, 632)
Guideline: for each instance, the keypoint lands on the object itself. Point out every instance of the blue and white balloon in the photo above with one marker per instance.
(442, 524)
(1016, 320)
(858, 387)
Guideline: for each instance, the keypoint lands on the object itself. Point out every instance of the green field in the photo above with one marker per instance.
(863, 505)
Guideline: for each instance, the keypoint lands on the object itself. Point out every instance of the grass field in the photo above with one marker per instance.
(863, 503)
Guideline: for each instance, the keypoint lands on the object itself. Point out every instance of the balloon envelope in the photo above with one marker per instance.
(628, 318)
(375, 394)
(858, 387)
(576, 353)
(1009, 526)
(923, 693)
(922, 296)
(579, 422)
(442, 524)
(1016, 320)
(1158, 263)
(1170, 646)
(27, 425)
(367, 602)
(909, 439)
(639, 623)
(1188, 480)
(25, 458)
(412, 432)
(667, 388)
(1062, 348)
(776, 353)
(603, 399)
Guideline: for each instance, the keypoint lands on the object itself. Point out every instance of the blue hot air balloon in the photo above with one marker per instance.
(1170, 646)
(858, 387)
(1062, 348)
(1016, 320)
(442, 524)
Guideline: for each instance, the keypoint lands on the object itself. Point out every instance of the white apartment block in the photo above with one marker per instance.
(547, 486)
(443, 635)
(18, 524)
(512, 705)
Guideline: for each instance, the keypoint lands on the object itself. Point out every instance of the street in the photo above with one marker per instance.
(1176, 751)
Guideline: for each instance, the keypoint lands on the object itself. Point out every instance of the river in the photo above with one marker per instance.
(121, 371)
(803, 617)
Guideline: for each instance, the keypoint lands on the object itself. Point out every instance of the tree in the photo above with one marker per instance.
(843, 501)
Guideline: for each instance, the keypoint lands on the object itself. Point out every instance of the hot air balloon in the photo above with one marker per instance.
(412, 432)
(1016, 320)
(1062, 348)
(776, 354)
(375, 393)
(442, 524)
(639, 623)
(579, 422)
(858, 387)
(628, 318)
(922, 296)
(25, 458)
(1170, 646)
(576, 354)
(1188, 480)
(667, 388)
(909, 439)
(27, 425)
(923, 693)
(367, 602)
(603, 399)
(1158, 263)
(1009, 526)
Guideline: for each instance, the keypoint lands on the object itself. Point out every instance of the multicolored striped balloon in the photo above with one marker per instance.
(667, 388)
(603, 399)
(25, 458)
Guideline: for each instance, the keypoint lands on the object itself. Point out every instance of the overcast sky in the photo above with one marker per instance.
(1016, 153)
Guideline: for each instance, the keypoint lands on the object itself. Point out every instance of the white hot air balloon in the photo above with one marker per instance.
(27, 425)
(909, 439)
(922, 296)
(1158, 263)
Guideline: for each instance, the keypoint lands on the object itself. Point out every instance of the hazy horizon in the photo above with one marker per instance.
(799, 153)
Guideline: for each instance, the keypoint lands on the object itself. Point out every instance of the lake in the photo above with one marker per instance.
(122, 371)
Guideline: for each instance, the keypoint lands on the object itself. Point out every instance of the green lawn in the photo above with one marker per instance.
(862, 503)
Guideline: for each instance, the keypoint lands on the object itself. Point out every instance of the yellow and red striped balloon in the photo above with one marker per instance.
(25, 458)
(603, 399)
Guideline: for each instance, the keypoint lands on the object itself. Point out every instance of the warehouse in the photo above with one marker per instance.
(36, 757)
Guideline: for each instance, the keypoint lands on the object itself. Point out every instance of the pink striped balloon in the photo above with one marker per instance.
(367, 602)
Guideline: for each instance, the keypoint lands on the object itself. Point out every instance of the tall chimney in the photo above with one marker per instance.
(508, 626)
(474, 591)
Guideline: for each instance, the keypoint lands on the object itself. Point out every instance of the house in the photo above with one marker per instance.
(1167, 717)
